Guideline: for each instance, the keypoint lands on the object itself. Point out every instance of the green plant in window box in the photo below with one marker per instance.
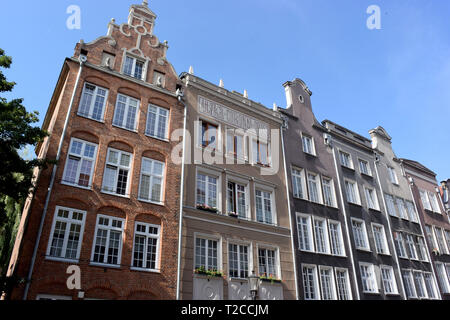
(269, 278)
(205, 207)
(212, 273)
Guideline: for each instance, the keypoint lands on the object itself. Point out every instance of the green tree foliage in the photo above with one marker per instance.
(8, 231)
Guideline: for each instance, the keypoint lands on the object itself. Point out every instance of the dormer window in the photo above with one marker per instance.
(134, 67)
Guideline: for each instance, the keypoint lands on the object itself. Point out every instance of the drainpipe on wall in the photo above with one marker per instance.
(82, 60)
(390, 231)
(290, 216)
(344, 211)
(180, 223)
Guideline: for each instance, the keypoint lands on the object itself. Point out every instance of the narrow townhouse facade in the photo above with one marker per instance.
(418, 277)
(110, 206)
(323, 254)
(235, 216)
(434, 218)
(372, 246)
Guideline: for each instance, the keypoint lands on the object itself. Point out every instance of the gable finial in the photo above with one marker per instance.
(145, 3)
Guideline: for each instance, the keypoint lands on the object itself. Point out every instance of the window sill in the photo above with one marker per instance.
(115, 194)
(372, 293)
(238, 279)
(76, 186)
(145, 270)
(364, 250)
(393, 294)
(152, 202)
(124, 128)
(89, 118)
(375, 210)
(367, 175)
(56, 259)
(157, 138)
(310, 154)
(354, 204)
(384, 254)
(102, 265)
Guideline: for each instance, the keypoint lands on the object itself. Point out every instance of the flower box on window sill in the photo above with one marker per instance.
(205, 207)
(233, 215)
(208, 273)
(270, 279)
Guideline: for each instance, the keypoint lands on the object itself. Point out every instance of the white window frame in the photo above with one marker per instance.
(440, 241)
(95, 95)
(82, 158)
(372, 202)
(310, 235)
(409, 274)
(442, 276)
(332, 191)
(249, 258)
(158, 117)
(122, 125)
(402, 210)
(393, 178)
(433, 284)
(236, 153)
(369, 169)
(108, 228)
(302, 186)
(409, 240)
(332, 283)
(310, 139)
(355, 188)
(372, 283)
(147, 235)
(348, 158)
(243, 183)
(434, 202)
(326, 240)
(271, 191)
(347, 282)
(421, 285)
(340, 237)
(133, 69)
(412, 213)
(402, 254)
(391, 205)
(277, 267)
(392, 280)
(69, 222)
(364, 234)
(213, 174)
(152, 176)
(208, 238)
(317, 181)
(316, 286)
(118, 167)
(384, 242)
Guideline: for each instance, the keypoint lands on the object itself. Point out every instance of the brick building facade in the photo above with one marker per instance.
(111, 204)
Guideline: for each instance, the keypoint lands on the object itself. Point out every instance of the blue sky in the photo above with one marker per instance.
(397, 77)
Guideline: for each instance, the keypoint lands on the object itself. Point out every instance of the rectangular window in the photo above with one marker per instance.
(134, 67)
(267, 262)
(336, 238)
(298, 183)
(343, 286)
(321, 236)
(379, 236)
(116, 178)
(411, 211)
(408, 283)
(360, 234)
(392, 175)
(372, 199)
(351, 191)
(125, 114)
(364, 167)
(368, 278)
(430, 285)
(314, 188)
(308, 145)
(327, 283)
(401, 208)
(434, 202)
(80, 164)
(420, 285)
(260, 151)
(411, 248)
(442, 277)
(304, 228)
(235, 144)
(447, 238)
(159, 79)
(66, 236)
(421, 249)
(346, 159)
(209, 135)
(264, 207)
(310, 283)
(206, 254)
(399, 245)
(328, 192)
(146, 246)
(93, 100)
(207, 191)
(157, 122)
(388, 279)
(152, 179)
(440, 240)
(236, 199)
(431, 239)
(238, 260)
(390, 203)
(108, 240)
(425, 201)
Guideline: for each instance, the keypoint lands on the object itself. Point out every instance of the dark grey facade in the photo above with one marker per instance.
(364, 210)
(322, 252)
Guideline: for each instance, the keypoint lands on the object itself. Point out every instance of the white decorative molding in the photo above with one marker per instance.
(238, 290)
(208, 288)
(268, 291)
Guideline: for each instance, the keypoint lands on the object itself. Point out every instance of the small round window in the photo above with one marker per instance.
(301, 99)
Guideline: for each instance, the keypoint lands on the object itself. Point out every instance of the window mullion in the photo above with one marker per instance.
(108, 237)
